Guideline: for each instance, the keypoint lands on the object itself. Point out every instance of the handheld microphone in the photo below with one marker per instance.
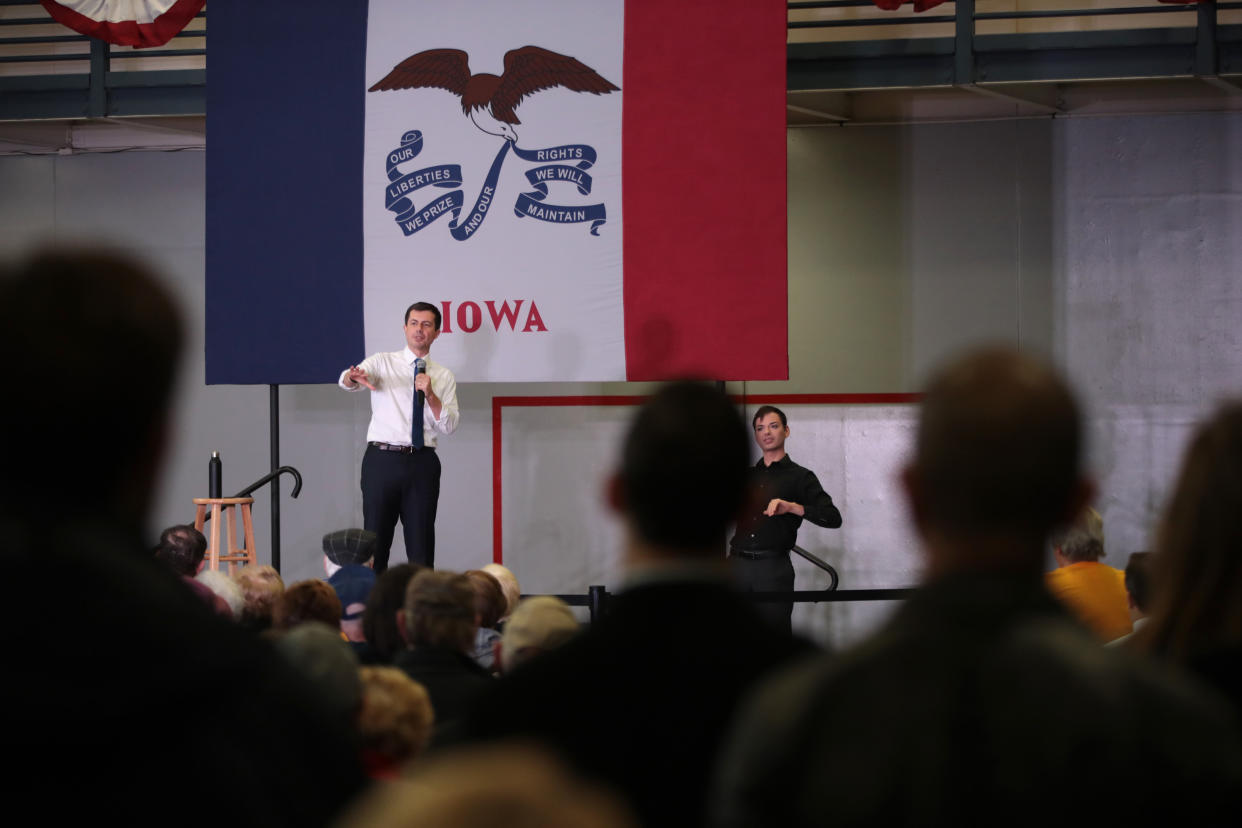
(420, 367)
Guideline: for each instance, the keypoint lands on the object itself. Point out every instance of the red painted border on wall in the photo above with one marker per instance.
(500, 403)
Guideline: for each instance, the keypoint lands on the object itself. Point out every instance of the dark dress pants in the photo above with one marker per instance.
(406, 486)
(773, 574)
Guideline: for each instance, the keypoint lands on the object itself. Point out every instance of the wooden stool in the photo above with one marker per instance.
(233, 555)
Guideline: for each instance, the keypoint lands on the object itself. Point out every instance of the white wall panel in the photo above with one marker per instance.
(558, 534)
(560, 537)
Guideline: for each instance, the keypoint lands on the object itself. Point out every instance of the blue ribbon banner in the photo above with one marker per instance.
(531, 204)
(584, 155)
(411, 219)
(462, 231)
(540, 177)
(528, 206)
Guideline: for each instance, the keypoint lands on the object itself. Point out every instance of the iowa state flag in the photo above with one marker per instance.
(590, 190)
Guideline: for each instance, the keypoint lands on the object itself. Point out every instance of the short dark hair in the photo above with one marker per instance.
(182, 548)
(379, 619)
(439, 611)
(683, 466)
(1138, 579)
(422, 306)
(998, 445)
(85, 313)
(765, 410)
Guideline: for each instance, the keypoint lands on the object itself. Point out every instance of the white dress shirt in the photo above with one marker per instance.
(392, 401)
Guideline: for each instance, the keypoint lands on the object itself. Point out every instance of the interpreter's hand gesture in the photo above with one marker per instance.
(357, 376)
(782, 507)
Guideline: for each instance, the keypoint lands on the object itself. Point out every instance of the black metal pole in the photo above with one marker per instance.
(273, 405)
(964, 42)
(97, 102)
(1205, 40)
(597, 597)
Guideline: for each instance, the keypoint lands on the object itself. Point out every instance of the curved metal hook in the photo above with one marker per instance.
(272, 475)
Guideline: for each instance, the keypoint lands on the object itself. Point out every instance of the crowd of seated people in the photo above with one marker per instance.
(440, 698)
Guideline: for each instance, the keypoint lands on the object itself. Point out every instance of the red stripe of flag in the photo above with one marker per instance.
(703, 162)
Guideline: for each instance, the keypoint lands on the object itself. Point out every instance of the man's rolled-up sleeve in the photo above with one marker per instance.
(446, 390)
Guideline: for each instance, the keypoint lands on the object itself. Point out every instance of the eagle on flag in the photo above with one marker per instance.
(490, 100)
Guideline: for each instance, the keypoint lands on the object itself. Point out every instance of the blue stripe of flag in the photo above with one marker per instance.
(285, 108)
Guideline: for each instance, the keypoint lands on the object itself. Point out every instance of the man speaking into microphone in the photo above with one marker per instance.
(412, 400)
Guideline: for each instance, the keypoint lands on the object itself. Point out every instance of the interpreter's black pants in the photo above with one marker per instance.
(771, 574)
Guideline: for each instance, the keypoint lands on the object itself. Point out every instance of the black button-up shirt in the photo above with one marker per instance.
(788, 481)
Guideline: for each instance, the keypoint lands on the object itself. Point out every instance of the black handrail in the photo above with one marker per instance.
(597, 597)
(822, 564)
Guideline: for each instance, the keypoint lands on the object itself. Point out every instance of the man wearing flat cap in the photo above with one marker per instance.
(347, 559)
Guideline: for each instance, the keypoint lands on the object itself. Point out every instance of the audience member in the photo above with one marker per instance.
(641, 699)
(395, 722)
(380, 624)
(223, 588)
(347, 558)
(261, 586)
(508, 585)
(1196, 618)
(348, 547)
(1094, 592)
(982, 701)
(159, 691)
(181, 549)
(509, 786)
(439, 624)
(489, 607)
(318, 652)
(1138, 593)
(539, 624)
(307, 601)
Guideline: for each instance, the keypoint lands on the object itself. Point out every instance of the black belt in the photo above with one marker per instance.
(758, 554)
(401, 449)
